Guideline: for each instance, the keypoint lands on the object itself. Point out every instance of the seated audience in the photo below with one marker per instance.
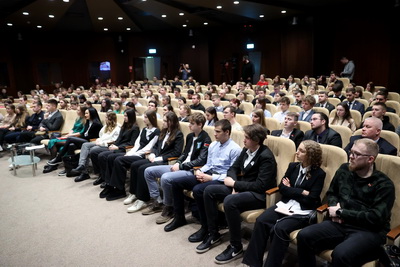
(343, 117)
(378, 111)
(239, 193)
(320, 131)
(216, 100)
(352, 102)
(230, 115)
(323, 101)
(184, 113)
(211, 116)
(301, 187)
(360, 201)
(284, 104)
(372, 130)
(289, 130)
(381, 97)
(196, 105)
(307, 104)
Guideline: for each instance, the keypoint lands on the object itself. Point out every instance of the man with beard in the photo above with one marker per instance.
(360, 201)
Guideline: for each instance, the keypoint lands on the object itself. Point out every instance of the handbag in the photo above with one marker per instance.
(70, 162)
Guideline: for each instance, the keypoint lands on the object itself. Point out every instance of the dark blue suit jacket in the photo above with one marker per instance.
(384, 146)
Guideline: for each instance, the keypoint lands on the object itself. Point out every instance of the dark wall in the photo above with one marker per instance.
(313, 46)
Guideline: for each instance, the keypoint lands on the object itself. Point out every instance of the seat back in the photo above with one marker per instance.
(185, 130)
(272, 124)
(271, 108)
(284, 151)
(391, 137)
(120, 119)
(210, 131)
(356, 115)
(243, 119)
(390, 165)
(303, 126)
(238, 137)
(334, 101)
(69, 120)
(321, 109)
(394, 96)
(332, 158)
(293, 108)
(345, 133)
(97, 107)
(247, 107)
(141, 109)
(394, 104)
(140, 122)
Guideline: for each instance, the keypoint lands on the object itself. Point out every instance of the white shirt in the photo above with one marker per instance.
(135, 150)
(250, 156)
(191, 150)
(280, 115)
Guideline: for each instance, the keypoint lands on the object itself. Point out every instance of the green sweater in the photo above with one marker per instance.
(366, 202)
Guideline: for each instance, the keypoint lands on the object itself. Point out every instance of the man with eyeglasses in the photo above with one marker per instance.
(360, 199)
(320, 131)
(372, 128)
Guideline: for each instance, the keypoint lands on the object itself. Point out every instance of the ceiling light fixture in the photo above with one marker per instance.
(9, 24)
(283, 11)
(105, 29)
(163, 16)
(51, 16)
(100, 18)
(261, 16)
(39, 26)
(120, 18)
(181, 14)
(205, 23)
(128, 29)
(66, 1)
(25, 13)
(184, 25)
(236, 2)
(219, 7)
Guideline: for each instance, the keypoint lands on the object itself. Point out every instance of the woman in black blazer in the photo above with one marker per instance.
(127, 137)
(92, 128)
(303, 182)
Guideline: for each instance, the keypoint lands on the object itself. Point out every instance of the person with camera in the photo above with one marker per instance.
(185, 70)
(360, 199)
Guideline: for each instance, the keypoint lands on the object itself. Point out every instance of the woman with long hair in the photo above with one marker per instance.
(7, 122)
(103, 158)
(106, 105)
(211, 116)
(118, 107)
(107, 135)
(115, 173)
(92, 129)
(170, 144)
(261, 104)
(17, 125)
(300, 189)
(258, 117)
(184, 112)
(343, 117)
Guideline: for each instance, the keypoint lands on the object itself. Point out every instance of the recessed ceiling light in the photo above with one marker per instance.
(144, 0)
(261, 16)
(120, 18)
(181, 14)
(236, 2)
(128, 29)
(205, 23)
(164, 16)
(283, 11)
(105, 29)
(9, 24)
(219, 7)
(184, 25)
(25, 13)
(39, 26)
(66, 1)
(100, 18)
(51, 16)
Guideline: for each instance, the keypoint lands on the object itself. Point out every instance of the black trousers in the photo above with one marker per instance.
(119, 169)
(71, 144)
(138, 184)
(190, 183)
(234, 204)
(103, 162)
(351, 246)
(94, 157)
(278, 227)
(30, 137)
(3, 132)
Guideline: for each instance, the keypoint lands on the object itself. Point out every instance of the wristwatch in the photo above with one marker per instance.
(339, 212)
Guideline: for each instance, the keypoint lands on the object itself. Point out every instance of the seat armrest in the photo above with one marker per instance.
(172, 158)
(321, 212)
(322, 208)
(394, 233)
(272, 191)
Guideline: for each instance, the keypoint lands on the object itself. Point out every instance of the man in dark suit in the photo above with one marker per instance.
(354, 104)
(289, 130)
(194, 155)
(196, 103)
(323, 101)
(379, 111)
(52, 121)
(257, 165)
(381, 97)
(372, 130)
(337, 91)
(307, 105)
(320, 131)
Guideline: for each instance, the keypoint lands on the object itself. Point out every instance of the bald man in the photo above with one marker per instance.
(372, 128)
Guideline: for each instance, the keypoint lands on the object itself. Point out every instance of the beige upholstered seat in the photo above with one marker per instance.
(344, 132)
(69, 120)
(393, 117)
(243, 119)
(272, 124)
(333, 101)
(321, 109)
(304, 126)
(247, 107)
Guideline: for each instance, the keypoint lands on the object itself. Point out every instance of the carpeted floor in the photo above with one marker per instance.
(49, 220)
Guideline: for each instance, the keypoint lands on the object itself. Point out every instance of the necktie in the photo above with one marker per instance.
(300, 178)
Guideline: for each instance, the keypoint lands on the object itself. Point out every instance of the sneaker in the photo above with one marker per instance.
(62, 173)
(229, 254)
(166, 215)
(1, 148)
(154, 207)
(130, 199)
(208, 242)
(137, 205)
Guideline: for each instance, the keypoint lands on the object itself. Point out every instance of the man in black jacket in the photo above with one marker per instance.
(320, 131)
(52, 121)
(240, 193)
(194, 155)
(289, 130)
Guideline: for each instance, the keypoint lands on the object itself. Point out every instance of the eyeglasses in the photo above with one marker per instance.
(356, 154)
